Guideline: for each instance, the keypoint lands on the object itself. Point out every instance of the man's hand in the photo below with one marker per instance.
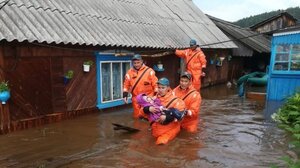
(125, 97)
(189, 113)
(203, 74)
(153, 109)
(162, 118)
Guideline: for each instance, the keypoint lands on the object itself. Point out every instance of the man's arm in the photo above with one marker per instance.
(126, 87)
(153, 80)
(181, 53)
(203, 62)
(194, 105)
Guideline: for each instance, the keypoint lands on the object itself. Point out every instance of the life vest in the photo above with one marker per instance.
(195, 61)
(192, 100)
(165, 133)
(140, 81)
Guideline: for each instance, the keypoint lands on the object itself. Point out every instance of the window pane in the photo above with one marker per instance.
(282, 57)
(283, 48)
(281, 66)
(296, 48)
(116, 67)
(125, 68)
(296, 56)
(295, 66)
(106, 82)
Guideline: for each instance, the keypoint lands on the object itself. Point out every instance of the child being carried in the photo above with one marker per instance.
(163, 115)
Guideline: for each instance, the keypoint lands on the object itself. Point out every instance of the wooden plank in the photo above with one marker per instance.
(256, 95)
(57, 86)
(126, 128)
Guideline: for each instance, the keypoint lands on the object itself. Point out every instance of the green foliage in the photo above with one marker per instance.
(89, 62)
(4, 86)
(69, 74)
(289, 113)
(296, 144)
(252, 20)
(288, 117)
(290, 162)
(274, 166)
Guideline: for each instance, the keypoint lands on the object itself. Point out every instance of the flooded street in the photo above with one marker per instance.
(232, 133)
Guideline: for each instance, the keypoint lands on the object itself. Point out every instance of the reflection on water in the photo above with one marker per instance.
(233, 132)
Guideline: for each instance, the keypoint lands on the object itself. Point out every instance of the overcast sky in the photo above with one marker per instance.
(233, 10)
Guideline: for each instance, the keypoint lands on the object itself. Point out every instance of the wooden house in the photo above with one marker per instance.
(280, 21)
(253, 52)
(40, 41)
(284, 74)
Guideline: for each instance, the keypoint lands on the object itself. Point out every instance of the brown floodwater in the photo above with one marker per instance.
(233, 133)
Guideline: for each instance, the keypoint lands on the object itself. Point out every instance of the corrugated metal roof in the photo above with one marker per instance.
(253, 40)
(130, 23)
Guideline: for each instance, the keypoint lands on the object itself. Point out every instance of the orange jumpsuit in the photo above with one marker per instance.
(147, 84)
(192, 100)
(195, 61)
(165, 133)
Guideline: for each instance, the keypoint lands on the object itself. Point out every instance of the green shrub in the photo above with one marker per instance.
(4, 86)
(288, 117)
(89, 62)
(69, 74)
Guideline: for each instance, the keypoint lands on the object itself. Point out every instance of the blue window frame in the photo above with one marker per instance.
(110, 74)
(286, 59)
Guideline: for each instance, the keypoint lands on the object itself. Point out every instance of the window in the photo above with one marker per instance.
(287, 58)
(295, 58)
(111, 70)
(112, 74)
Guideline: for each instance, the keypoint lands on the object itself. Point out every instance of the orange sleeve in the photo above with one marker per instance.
(202, 59)
(126, 83)
(181, 53)
(194, 105)
(153, 80)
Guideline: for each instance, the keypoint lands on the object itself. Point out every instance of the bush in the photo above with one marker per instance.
(69, 74)
(89, 62)
(288, 117)
(4, 86)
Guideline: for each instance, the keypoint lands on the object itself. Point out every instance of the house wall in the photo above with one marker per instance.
(275, 24)
(236, 68)
(280, 87)
(29, 81)
(171, 65)
(216, 74)
(284, 82)
(35, 76)
(81, 90)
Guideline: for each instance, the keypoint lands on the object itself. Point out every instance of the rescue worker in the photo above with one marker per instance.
(139, 79)
(195, 61)
(165, 133)
(192, 100)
